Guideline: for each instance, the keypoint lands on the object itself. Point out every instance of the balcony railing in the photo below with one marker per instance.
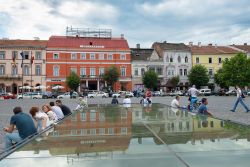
(19, 77)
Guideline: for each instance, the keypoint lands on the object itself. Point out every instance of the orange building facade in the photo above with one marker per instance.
(88, 57)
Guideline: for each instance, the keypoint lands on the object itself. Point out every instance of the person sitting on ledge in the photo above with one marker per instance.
(24, 125)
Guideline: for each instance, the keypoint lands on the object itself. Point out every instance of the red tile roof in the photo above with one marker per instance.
(85, 42)
(242, 47)
(23, 43)
(203, 50)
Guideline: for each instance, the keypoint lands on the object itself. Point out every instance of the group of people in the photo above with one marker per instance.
(25, 126)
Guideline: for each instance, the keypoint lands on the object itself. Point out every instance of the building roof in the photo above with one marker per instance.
(244, 47)
(210, 49)
(172, 46)
(7, 43)
(87, 42)
(141, 54)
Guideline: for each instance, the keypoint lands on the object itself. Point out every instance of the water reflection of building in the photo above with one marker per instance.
(95, 130)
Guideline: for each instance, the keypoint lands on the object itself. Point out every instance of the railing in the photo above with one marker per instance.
(11, 77)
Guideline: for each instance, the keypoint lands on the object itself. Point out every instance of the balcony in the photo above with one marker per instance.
(18, 77)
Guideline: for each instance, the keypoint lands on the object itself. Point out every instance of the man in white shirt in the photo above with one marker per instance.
(193, 92)
(176, 102)
(57, 110)
(127, 101)
(239, 99)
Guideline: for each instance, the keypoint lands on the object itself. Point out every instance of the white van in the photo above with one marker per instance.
(205, 92)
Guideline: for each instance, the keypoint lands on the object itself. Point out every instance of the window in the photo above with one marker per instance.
(83, 132)
(186, 59)
(151, 69)
(92, 131)
(38, 55)
(167, 59)
(73, 70)
(83, 116)
(101, 70)
(180, 71)
(73, 56)
(179, 59)
(101, 116)
(92, 116)
(197, 60)
(56, 71)
(219, 60)
(111, 131)
(38, 70)
(159, 70)
(171, 59)
(123, 57)
(172, 72)
(185, 72)
(2, 69)
(56, 56)
(83, 71)
(2, 54)
(92, 71)
(14, 54)
(92, 56)
(110, 57)
(73, 132)
(83, 56)
(101, 56)
(101, 131)
(123, 71)
(142, 71)
(136, 72)
(26, 54)
(14, 70)
(210, 72)
(123, 130)
(210, 60)
(211, 124)
(26, 70)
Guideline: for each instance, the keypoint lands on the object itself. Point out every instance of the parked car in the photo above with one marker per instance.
(66, 95)
(220, 92)
(156, 93)
(231, 93)
(116, 94)
(130, 94)
(248, 93)
(98, 94)
(55, 94)
(7, 96)
(46, 95)
(176, 93)
(205, 92)
(29, 95)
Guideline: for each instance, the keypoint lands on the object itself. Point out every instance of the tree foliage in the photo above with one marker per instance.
(218, 79)
(235, 71)
(198, 76)
(111, 75)
(150, 79)
(174, 81)
(73, 81)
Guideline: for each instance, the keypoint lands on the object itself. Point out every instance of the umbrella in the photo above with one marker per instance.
(25, 87)
(40, 87)
(57, 87)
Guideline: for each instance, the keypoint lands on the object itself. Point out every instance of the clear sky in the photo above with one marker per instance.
(219, 22)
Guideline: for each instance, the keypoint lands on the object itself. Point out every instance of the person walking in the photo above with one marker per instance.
(239, 99)
(24, 125)
(193, 92)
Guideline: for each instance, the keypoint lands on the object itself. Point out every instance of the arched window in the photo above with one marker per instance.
(179, 59)
(167, 59)
(171, 59)
(14, 70)
(186, 59)
(38, 70)
(2, 69)
(26, 70)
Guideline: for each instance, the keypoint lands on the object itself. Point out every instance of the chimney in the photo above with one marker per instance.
(210, 44)
(138, 46)
(122, 36)
(199, 44)
(190, 43)
(245, 44)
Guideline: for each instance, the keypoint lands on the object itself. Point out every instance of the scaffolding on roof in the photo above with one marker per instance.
(88, 32)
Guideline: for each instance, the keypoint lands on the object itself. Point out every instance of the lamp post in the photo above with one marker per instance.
(22, 55)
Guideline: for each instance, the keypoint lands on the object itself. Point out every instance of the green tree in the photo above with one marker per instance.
(73, 81)
(198, 76)
(218, 79)
(235, 71)
(150, 79)
(174, 81)
(111, 75)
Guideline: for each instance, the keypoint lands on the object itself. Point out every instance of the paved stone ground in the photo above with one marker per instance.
(218, 106)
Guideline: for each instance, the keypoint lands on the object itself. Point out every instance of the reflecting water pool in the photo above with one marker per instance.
(156, 135)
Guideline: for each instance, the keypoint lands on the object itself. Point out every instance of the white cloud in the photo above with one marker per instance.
(28, 19)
